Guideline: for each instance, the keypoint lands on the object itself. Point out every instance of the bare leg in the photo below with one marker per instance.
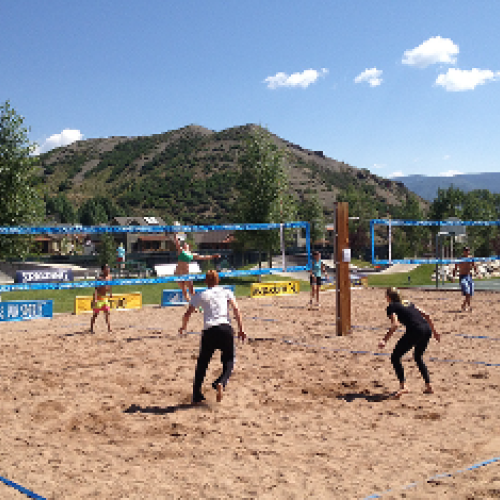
(107, 316)
(403, 389)
(185, 293)
(317, 294)
(220, 392)
(468, 299)
(92, 321)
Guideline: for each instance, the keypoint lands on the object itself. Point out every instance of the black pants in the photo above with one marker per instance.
(218, 337)
(417, 339)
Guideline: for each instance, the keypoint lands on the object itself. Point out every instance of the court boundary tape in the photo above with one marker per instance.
(436, 477)
(21, 489)
(331, 349)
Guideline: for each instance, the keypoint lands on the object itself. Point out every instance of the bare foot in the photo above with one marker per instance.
(399, 393)
(428, 390)
(220, 392)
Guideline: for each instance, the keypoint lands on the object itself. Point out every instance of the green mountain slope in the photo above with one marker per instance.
(191, 174)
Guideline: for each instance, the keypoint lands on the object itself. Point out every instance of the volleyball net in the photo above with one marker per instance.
(396, 241)
(291, 242)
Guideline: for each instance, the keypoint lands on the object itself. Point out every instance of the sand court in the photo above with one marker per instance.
(305, 414)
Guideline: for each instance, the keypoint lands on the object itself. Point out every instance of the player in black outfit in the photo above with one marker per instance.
(419, 330)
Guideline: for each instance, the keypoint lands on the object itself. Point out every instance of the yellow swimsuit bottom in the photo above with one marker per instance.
(101, 304)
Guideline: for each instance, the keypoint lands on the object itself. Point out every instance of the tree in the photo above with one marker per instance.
(447, 204)
(310, 210)
(92, 213)
(62, 208)
(107, 250)
(361, 206)
(409, 241)
(263, 184)
(479, 205)
(20, 202)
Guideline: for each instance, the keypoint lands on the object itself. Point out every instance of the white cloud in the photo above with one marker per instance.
(458, 80)
(396, 174)
(432, 51)
(65, 138)
(378, 165)
(450, 173)
(372, 76)
(303, 79)
(446, 157)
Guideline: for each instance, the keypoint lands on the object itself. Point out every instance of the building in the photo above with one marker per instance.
(143, 242)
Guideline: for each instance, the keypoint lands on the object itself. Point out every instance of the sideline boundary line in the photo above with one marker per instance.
(325, 348)
(21, 489)
(437, 476)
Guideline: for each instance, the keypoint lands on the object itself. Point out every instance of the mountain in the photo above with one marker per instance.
(191, 174)
(427, 187)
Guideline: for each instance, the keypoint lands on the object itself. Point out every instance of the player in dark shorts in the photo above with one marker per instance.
(419, 330)
(315, 279)
(465, 278)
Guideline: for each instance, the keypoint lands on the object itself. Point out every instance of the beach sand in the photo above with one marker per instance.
(107, 416)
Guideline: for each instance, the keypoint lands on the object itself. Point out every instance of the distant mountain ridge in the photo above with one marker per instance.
(427, 187)
(192, 174)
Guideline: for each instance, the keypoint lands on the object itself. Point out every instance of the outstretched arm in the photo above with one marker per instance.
(177, 243)
(205, 257)
(394, 326)
(237, 315)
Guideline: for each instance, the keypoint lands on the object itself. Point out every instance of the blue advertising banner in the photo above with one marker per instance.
(19, 310)
(175, 298)
(44, 276)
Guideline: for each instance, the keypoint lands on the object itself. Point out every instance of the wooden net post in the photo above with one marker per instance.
(342, 259)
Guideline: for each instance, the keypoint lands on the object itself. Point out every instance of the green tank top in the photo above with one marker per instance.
(185, 256)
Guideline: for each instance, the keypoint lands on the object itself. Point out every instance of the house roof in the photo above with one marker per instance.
(139, 221)
(214, 237)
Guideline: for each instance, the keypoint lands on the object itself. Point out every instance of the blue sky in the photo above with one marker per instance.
(409, 87)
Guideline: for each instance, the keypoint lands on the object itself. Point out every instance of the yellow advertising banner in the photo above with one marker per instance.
(274, 288)
(118, 301)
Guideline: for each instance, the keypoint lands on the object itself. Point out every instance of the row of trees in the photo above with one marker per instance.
(263, 185)
(94, 211)
(264, 196)
(450, 203)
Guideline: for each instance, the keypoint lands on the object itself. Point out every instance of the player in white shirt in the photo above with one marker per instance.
(217, 333)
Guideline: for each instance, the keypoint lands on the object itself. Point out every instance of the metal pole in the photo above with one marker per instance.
(441, 266)
(282, 241)
(390, 240)
(437, 259)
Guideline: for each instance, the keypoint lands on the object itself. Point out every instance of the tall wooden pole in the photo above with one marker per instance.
(342, 259)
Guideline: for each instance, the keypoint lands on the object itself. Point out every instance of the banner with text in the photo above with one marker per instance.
(83, 303)
(274, 288)
(19, 310)
(44, 276)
